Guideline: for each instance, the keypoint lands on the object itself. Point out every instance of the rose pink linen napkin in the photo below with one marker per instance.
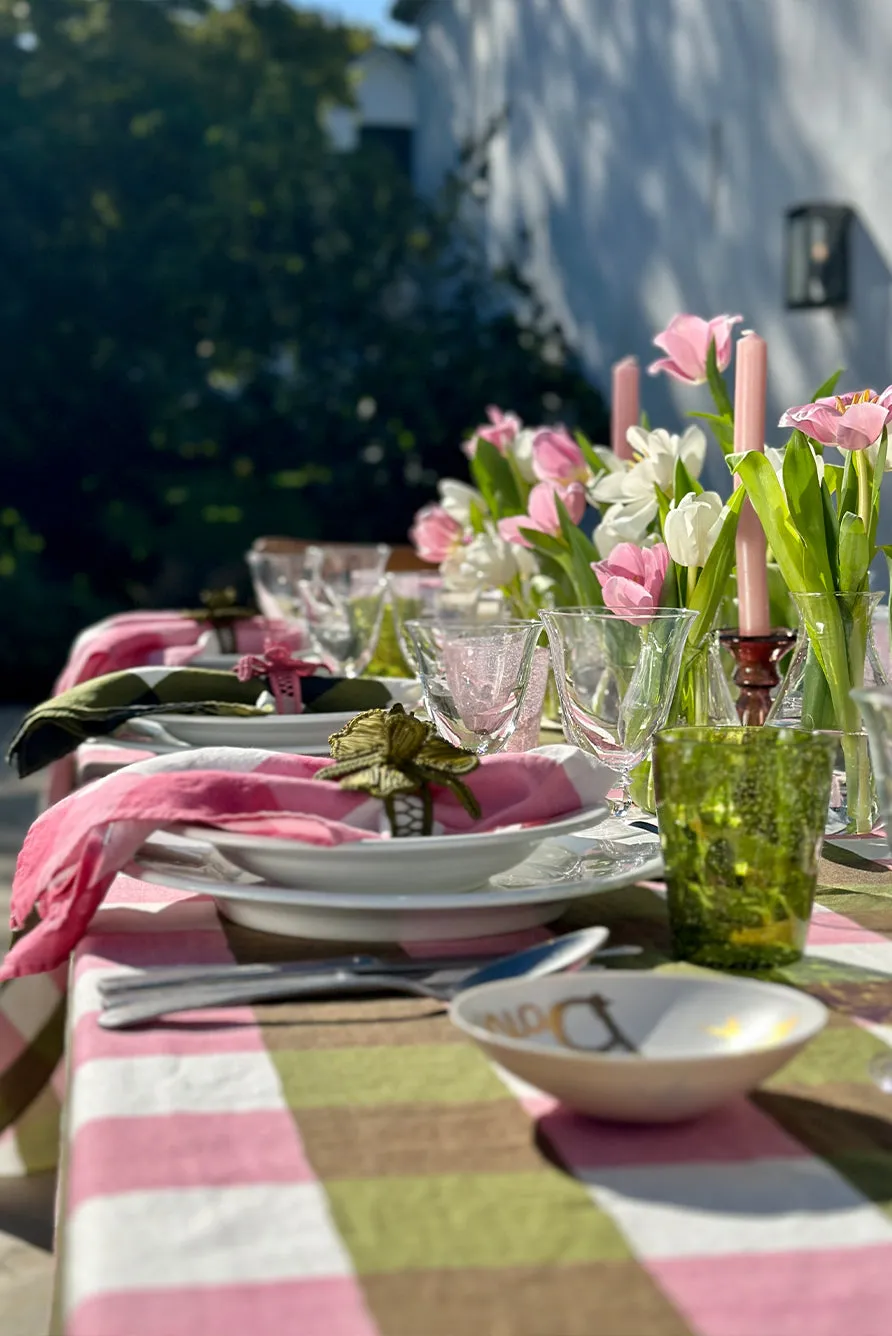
(135, 639)
(74, 850)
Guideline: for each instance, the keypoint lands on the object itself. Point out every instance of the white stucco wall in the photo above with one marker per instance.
(651, 151)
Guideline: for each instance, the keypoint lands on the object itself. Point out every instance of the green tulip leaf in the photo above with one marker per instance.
(833, 477)
(806, 506)
(717, 385)
(848, 491)
(713, 582)
(831, 531)
(582, 553)
(494, 480)
(722, 427)
(543, 542)
(770, 504)
(684, 484)
(879, 469)
(594, 460)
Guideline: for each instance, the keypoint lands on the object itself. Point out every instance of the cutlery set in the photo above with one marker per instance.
(132, 999)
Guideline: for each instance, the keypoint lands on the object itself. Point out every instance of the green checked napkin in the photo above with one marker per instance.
(98, 707)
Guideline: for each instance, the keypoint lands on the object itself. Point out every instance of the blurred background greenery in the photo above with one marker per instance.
(214, 324)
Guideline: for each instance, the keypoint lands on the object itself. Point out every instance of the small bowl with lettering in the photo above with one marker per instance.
(638, 1047)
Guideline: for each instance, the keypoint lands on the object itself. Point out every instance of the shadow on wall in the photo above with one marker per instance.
(650, 154)
(866, 339)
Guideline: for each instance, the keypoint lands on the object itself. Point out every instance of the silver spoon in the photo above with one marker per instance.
(441, 985)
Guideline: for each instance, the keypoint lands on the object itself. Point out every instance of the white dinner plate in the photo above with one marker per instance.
(536, 892)
(417, 865)
(275, 732)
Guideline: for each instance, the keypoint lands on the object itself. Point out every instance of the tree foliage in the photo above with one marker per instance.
(214, 324)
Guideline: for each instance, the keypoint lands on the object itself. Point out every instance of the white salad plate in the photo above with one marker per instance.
(536, 892)
(275, 732)
(419, 865)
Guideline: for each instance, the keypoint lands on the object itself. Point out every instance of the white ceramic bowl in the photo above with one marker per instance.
(638, 1047)
(415, 865)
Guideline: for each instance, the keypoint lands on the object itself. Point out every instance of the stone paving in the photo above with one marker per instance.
(26, 1205)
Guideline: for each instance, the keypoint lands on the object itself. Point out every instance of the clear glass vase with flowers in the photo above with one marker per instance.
(821, 521)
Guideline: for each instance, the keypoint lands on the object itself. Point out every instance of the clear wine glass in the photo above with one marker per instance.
(474, 677)
(616, 678)
(343, 616)
(275, 577)
(276, 574)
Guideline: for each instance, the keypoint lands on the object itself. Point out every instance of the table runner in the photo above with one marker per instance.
(357, 1168)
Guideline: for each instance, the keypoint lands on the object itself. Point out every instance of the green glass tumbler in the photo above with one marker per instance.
(741, 813)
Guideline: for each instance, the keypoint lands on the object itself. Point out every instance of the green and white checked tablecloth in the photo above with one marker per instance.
(357, 1168)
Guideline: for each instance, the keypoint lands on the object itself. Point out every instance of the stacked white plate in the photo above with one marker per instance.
(424, 889)
(305, 733)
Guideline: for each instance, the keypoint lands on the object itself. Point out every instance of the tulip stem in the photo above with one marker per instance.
(693, 572)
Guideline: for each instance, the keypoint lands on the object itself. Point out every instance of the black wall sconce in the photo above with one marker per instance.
(817, 256)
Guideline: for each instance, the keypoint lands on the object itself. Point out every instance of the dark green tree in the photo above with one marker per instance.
(214, 324)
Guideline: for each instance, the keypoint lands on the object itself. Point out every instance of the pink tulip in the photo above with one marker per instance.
(500, 431)
(850, 421)
(542, 512)
(557, 458)
(686, 339)
(632, 578)
(434, 534)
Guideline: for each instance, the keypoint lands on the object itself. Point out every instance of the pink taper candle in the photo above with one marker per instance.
(749, 434)
(623, 405)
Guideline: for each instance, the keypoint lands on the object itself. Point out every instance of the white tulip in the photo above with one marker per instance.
(521, 451)
(622, 524)
(775, 458)
(457, 498)
(661, 451)
(525, 557)
(458, 576)
(492, 560)
(872, 451)
(691, 527)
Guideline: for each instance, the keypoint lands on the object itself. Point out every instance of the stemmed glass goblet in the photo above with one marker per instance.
(616, 678)
(343, 596)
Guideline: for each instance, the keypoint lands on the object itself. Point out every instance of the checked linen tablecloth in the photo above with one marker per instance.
(356, 1168)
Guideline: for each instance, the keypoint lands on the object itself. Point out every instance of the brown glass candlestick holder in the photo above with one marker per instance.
(756, 659)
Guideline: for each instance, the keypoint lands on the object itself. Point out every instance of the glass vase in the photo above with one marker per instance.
(703, 695)
(835, 653)
(702, 698)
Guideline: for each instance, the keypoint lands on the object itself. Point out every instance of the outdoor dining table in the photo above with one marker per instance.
(358, 1168)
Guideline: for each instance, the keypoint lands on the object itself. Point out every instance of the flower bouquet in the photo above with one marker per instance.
(658, 539)
(821, 521)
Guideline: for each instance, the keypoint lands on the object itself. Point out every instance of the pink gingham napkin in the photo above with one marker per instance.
(74, 850)
(135, 639)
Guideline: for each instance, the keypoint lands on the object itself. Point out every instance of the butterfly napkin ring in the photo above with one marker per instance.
(281, 671)
(393, 756)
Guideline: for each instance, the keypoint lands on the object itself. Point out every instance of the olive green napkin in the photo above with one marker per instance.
(101, 705)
